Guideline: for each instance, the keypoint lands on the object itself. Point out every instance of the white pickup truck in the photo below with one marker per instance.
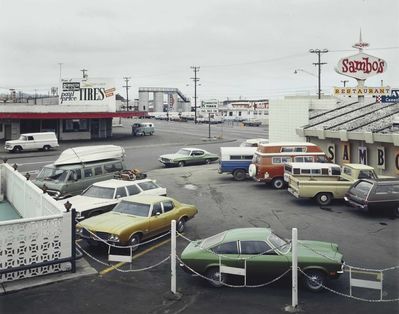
(326, 188)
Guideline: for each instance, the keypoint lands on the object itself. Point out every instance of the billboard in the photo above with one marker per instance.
(361, 66)
(93, 91)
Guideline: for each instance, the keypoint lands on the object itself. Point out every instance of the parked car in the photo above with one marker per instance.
(188, 156)
(375, 195)
(236, 160)
(324, 189)
(310, 169)
(33, 141)
(252, 123)
(266, 254)
(137, 218)
(78, 168)
(269, 159)
(102, 196)
(144, 128)
(254, 142)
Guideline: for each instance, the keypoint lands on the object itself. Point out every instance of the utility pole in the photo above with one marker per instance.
(84, 73)
(195, 79)
(127, 91)
(319, 52)
(35, 96)
(344, 82)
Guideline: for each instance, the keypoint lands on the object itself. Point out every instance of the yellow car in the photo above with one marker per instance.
(137, 218)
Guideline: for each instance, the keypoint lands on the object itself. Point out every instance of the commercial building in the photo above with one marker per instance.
(84, 109)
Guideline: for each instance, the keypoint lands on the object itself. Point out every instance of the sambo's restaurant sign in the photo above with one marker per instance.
(361, 66)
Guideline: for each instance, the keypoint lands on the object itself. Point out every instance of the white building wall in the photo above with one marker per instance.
(285, 116)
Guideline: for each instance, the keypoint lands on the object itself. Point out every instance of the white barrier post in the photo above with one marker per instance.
(173, 257)
(294, 268)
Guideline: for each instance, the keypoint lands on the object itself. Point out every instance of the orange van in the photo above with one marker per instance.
(269, 159)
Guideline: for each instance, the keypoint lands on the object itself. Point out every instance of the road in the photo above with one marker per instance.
(365, 240)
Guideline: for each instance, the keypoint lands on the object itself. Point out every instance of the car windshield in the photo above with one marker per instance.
(361, 189)
(279, 243)
(184, 152)
(23, 138)
(52, 174)
(99, 192)
(131, 208)
(213, 240)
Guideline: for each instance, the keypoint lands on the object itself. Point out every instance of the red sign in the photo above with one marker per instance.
(361, 66)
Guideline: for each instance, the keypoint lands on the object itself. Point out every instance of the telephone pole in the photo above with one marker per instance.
(319, 52)
(127, 91)
(195, 79)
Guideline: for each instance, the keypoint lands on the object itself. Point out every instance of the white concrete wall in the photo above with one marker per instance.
(285, 116)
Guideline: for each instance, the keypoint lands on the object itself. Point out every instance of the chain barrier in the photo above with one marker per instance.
(347, 295)
(234, 286)
(117, 268)
(347, 265)
(97, 238)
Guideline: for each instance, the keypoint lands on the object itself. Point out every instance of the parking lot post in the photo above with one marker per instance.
(173, 257)
(294, 269)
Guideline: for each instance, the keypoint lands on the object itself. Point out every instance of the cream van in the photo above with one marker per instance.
(33, 141)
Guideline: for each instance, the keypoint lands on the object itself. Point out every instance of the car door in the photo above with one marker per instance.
(228, 254)
(198, 156)
(170, 213)
(262, 260)
(157, 220)
(30, 143)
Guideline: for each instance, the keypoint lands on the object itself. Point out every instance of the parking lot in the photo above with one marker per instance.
(367, 241)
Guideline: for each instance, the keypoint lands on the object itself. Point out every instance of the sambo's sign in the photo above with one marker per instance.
(361, 66)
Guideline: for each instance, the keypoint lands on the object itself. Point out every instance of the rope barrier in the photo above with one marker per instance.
(117, 268)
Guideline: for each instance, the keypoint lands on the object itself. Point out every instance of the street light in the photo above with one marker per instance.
(302, 70)
(319, 52)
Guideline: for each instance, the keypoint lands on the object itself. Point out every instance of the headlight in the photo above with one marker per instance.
(113, 238)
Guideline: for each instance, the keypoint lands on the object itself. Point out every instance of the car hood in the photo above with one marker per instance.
(13, 142)
(82, 203)
(111, 222)
(318, 249)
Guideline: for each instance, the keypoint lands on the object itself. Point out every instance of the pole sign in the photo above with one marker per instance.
(361, 66)
(394, 97)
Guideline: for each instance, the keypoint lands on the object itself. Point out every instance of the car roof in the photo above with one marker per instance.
(359, 166)
(191, 148)
(256, 140)
(116, 183)
(382, 181)
(146, 199)
(247, 234)
(312, 165)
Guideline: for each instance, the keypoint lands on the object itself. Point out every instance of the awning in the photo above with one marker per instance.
(71, 115)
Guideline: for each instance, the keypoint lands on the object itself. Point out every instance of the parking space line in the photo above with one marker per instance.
(109, 269)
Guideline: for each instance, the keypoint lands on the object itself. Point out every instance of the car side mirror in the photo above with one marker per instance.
(118, 196)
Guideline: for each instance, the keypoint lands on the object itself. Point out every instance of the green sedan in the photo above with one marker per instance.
(266, 254)
(188, 156)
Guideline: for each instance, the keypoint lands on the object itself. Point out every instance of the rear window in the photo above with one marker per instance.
(148, 185)
(362, 188)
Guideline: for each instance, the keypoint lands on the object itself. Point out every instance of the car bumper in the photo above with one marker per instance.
(293, 192)
(354, 204)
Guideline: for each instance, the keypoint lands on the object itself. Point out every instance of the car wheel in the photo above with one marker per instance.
(314, 280)
(181, 164)
(217, 279)
(135, 241)
(17, 149)
(278, 183)
(239, 174)
(181, 225)
(323, 198)
(208, 161)
(46, 147)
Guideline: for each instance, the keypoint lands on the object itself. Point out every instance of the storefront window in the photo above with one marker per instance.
(76, 125)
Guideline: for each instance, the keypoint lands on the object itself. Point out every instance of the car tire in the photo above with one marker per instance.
(17, 149)
(239, 174)
(208, 161)
(181, 164)
(216, 278)
(314, 280)
(135, 240)
(324, 198)
(46, 148)
(181, 225)
(278, 183)
(395, 211)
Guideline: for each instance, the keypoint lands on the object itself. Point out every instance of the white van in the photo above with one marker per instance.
(33, 141)
(310, 169)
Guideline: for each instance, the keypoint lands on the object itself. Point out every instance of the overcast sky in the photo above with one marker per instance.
(245, 48)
